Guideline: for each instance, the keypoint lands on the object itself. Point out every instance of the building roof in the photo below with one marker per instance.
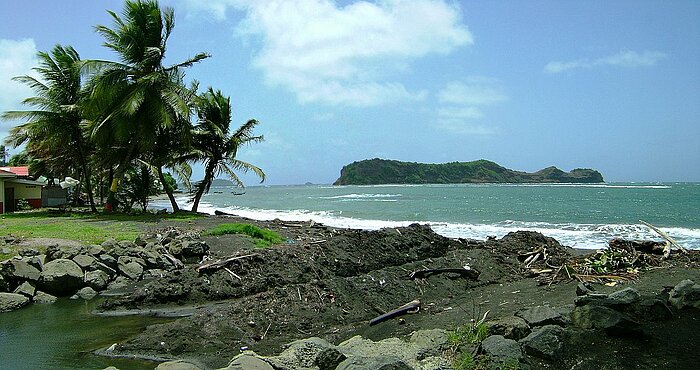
(19, 171)
(4, 173)
(26, 182)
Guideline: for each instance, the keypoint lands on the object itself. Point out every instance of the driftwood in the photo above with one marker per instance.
(222, 213)
(667, 250)
(643, 246)
(410, 307)
(421, 274)
(221, 263)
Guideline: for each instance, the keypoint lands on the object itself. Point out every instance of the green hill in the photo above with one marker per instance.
(383, 171)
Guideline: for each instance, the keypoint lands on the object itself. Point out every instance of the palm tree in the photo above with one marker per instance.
(3, 155)
(135, 98)
(215, 147)
(54, 131)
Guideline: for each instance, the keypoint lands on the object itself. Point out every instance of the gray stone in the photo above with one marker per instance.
(4, 284)
(55, 252)
(85, 261)
(540, 315)
(498, 346)
(511, 327)
(36, 261)
(103, 267)
(29, 252)
(605, 318)
(127, 244)
(623, 297)
(429, 342)
(26, 289)
(97, 279)
(12, 301)
(375, 363)
(95, 250)
(591, 298)
(41, 297)
(109, 243)
(178, 365)
(19, 270)
(653, 309)
(545, 342)
(329, 359)
(108, 260)
(86, 293)
(131, 267)
(195, 248)
(582, 289)
(685, 294)
(175, 247)
(140, 241)
(248, 361)
(119, 282)
(61, 277)
(299, 354)
(154, 274)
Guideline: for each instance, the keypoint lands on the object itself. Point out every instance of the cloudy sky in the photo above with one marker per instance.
(610, 85)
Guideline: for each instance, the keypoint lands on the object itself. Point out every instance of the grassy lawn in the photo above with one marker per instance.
(261, 237)
(88, 228)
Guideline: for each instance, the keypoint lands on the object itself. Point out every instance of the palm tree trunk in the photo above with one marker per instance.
(208, 177)
(119, 172)
(173, 203)
(88, 175)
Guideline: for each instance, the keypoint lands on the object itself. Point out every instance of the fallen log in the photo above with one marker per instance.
(667, 250)
(421, 274)
(643, 246)
(410, 307)
(222, 213)
(222, 263)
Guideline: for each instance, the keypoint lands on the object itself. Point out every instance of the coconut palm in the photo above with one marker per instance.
(135, 98)
(3, 155)
(215, 147)
(54, 130)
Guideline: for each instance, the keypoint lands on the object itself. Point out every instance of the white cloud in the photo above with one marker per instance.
(17, 58)
(463, 102)
(335, 54)
(625, 58)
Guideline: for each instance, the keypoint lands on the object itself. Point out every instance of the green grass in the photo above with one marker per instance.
(85, 227)
(261, 237)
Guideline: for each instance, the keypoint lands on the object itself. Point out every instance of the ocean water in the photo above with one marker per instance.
(577, 215)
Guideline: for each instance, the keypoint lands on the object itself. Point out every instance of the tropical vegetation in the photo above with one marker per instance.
(261, 237)
(129, 126)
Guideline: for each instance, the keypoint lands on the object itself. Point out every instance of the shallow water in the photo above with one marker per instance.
(64, 335)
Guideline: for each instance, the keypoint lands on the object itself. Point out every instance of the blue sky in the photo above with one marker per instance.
(610, 85)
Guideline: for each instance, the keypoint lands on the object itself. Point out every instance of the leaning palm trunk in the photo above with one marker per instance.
(173, 203)
(203, 185)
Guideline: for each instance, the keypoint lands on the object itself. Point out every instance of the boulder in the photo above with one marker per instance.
(511, 327)
(248, 361)
(41, 297)
(178, 365)
(501, 347)
(196, 248)
(4, 284)
(97, 279)
(12, 301)
(61, 277)
(653, 309)
(85, 261)
(131, 267)
(429, 342)
(26, 289)
(545, 342)
(108, 260)
(86, 293)
(623, 297)
(613, 322)
(29, 252)
(685, 294)
(36, 261)
(109, 244)
(329, 359)
(95, 250)
(55, 252)
(540, 316)
(299, 354)
(376, 362)
(18, 270)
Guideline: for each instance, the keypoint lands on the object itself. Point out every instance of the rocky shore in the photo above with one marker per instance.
(522, 301)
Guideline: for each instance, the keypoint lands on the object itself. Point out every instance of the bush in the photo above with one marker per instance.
(261, 237)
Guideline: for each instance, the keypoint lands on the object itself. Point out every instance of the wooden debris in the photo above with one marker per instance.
(410, 307)
(667, 249)
(420, 274)
(221, 263)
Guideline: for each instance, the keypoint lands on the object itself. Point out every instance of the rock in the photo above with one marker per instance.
(541, 315)
(545, 342)
(154, 274)
(623, 297)
(95, 250)
(175, 247)
(18, 270)
(498, 346)
(4, 284)
(248, 361)
(118, 283)
(61, 277)
(429, 342)
(102, 267)
(29, 252)
(36, 261)
(653, 309)
(605, 318)
(26, 289)
(299, 354)
(195, 248)
(582, 289)
(86, 293)
(41, 297)
(596, 298)
(12, 301)
(140, 241)
(178, 365)
(96, 280)
(685, 294)
(55, 252)
(85, 261)
(329, 359)
(375, 363)
(511, 327)
(131, 267)
(109, 243)
(108, 260)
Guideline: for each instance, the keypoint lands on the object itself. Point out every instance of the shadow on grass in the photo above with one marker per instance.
(86, 215)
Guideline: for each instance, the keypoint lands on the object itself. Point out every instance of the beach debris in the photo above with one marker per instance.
(670, 241)
(465, 271)
(222, 262)
(410, 307)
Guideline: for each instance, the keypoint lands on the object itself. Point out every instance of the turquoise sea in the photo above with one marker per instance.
(578, 215)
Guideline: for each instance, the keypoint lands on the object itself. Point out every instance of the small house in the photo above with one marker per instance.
(16, 185)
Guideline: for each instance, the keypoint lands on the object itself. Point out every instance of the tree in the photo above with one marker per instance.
(215, 147)
(3, 155)
(54, 131)
(134, 98)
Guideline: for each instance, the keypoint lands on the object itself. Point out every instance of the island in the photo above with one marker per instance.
(383, 171)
